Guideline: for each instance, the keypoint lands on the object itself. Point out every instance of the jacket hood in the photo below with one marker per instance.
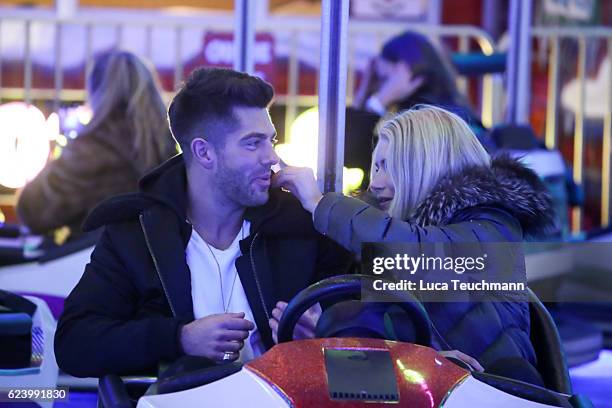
(507, 184)
(166, 185)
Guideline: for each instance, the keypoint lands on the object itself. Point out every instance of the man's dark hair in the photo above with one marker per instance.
(204, 105)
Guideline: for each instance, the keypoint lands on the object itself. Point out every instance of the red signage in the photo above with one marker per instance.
(219, 51)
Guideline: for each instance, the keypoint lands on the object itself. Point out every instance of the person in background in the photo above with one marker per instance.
(128, 135)
(410, 70)
(435, 183)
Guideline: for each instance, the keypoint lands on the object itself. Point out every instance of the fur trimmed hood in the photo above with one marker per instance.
(507, 184)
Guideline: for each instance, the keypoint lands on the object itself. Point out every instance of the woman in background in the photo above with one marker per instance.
(409, 70)
(127, 135)
(435, 183)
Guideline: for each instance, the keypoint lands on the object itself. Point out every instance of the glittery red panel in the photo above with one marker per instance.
(297, 371)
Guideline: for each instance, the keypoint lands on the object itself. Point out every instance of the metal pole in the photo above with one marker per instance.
(491, 87)
(88, 50)
(332, 93)
(149, 42)
(350, 79)
(434, 13)
(244, 35)
(27, 64)
(490, 17)
(293, 84)
(0, 61)
(553, 95)
(579, 132)
(178, 57)
(464, 48)
(59, 73)
(66, 9)
(519, 62)
(118, 36)
(607, 150)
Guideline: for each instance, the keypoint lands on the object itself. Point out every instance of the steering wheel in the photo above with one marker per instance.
(339, 288)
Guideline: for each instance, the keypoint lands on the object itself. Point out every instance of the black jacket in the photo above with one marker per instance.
(502, 203)
(125, 313)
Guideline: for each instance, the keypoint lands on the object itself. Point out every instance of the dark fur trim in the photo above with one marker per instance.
(507, 184)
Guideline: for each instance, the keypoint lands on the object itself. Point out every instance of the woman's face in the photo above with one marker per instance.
(381, 184)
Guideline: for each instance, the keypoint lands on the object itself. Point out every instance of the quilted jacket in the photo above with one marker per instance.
(503, 203)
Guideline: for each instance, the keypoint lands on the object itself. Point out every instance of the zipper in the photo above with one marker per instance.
(144, 232)
(435, 329)
(435, 332)
(261, 297)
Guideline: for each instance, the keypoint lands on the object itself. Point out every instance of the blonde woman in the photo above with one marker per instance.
(434, 182)
(127, 135)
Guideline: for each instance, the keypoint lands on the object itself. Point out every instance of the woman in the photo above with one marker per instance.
(434, 182)
(127, 135)
(410, 70)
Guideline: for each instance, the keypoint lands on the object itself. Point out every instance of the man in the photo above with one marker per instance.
(196, 262)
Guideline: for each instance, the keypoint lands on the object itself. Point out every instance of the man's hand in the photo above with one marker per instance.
(471, 361)
(301, 182)
(305, 327)
(398, 85)
(213, 336)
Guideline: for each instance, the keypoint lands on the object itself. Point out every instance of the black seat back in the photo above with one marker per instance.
(552, 365)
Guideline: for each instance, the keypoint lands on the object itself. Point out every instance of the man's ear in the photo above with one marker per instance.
(203, 152)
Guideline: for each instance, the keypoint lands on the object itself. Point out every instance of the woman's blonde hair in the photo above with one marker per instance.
(425, 144)
(123, 88)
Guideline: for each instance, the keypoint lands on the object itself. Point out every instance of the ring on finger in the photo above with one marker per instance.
(228, 355)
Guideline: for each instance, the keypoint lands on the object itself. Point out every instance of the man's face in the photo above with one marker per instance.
(244, 162)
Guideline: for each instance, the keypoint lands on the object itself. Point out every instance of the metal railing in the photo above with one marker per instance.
(292, 28)
(288, 27)
(293, 100)
(582, 36)
(490, 88)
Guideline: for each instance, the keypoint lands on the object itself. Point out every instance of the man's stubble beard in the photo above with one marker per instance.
(235, 186)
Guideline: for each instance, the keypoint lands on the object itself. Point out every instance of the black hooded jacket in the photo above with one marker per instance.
(125, 313)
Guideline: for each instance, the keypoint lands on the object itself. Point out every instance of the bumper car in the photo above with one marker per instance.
(32, 265)
(351, 364)
(27, 360)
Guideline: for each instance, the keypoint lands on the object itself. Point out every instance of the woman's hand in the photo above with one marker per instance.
(398, 85)
(471, 361)
(305, 327)
(301, 182)
(367, 85)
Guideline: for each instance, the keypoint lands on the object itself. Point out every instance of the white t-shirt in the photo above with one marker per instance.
(206, 287)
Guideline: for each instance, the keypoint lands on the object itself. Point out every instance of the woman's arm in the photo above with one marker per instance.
(351, 222)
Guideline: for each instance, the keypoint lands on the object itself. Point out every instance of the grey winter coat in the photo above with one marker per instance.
(498, 204)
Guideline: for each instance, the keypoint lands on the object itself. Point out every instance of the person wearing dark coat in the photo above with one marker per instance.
(410, 70)
(127, 136)
(435, 183)
(194, 263)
